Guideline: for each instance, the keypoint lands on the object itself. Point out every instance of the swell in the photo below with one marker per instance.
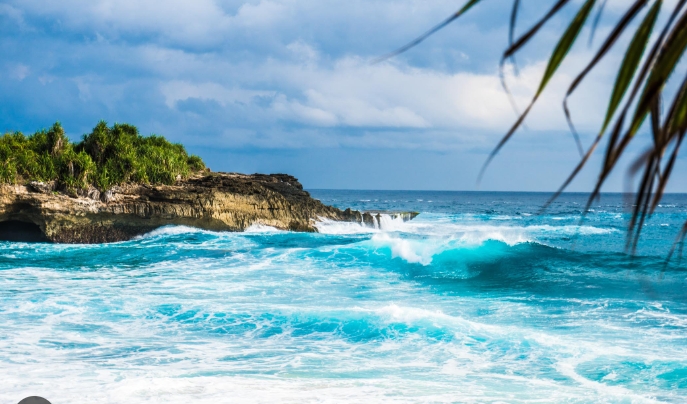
(415, 305)
(478, 258)
(530, 267)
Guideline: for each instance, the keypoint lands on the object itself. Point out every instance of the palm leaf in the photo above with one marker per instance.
(429, 33)
(511, 30)
(559, 53)
(670, 54)
(566, 42)
(657, 67)
(608, 44)
(596, 21)
(630, 63)
(618, 143)
(522, 40)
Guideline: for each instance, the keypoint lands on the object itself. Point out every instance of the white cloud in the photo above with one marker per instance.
(285, 64)
(264, 13)
(353, 93)
(19, 71)
(214, 22)
(177, 90)
(303, 52)
(351, 103)
(198, 21)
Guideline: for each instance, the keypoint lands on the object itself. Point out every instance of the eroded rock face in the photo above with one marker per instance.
(214, 201)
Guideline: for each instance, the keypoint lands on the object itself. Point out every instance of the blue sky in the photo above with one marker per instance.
(287, 86)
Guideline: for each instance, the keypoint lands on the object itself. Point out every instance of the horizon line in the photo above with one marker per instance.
(480, 191)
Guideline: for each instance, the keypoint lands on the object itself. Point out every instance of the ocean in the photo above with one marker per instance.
(479, 299)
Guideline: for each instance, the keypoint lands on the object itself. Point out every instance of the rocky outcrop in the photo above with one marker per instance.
(212, 201)
(375, 218)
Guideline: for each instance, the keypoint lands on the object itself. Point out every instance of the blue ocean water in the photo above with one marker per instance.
(478, 299)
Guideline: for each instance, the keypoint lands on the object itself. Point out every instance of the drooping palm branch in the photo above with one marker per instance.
(626, 112)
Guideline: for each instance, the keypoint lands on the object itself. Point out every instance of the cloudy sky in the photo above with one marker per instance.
(288, 86)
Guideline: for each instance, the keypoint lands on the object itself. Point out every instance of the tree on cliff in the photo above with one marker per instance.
(637, 93)
(106, 157)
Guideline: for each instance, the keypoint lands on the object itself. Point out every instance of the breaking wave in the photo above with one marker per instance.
(456, 304)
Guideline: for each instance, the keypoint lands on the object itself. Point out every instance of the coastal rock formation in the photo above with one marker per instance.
(211, 201)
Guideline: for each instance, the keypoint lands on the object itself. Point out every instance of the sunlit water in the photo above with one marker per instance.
(478, 299)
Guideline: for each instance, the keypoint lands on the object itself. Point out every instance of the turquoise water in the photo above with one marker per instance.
(478, 299)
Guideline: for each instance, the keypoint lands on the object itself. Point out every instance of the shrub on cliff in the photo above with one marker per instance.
(106, 157)
(122, 155)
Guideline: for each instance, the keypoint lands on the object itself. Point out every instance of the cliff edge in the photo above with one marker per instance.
(211, 201)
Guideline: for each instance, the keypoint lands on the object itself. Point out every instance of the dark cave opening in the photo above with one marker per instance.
(15, 230)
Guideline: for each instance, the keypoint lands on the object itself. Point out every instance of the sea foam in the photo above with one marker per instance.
(455, 305)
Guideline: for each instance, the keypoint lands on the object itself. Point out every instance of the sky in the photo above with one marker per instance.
(289, 86)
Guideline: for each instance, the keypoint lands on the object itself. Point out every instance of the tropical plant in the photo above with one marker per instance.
(106, 157)
(637, 93)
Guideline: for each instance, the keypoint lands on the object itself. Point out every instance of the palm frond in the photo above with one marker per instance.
(429, 33)
(639, 86)
(634, 51)
(559, 53)
(511, 30)
(595, 24)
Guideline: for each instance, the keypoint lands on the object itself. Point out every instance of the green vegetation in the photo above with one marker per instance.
(106, 157)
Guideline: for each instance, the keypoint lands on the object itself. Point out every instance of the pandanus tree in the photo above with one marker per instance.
(637, 95)
(106, 157)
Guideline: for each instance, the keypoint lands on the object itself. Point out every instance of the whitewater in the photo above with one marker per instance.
(480, 298)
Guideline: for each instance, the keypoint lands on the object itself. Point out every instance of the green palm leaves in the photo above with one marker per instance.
(630, 63)
(639, 85)
(560, 52)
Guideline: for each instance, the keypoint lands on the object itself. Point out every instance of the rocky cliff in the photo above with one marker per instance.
(212, 201)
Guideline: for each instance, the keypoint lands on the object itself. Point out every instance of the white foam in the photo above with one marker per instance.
(475, 228)
(506, 217)
(492, 358)
(180, 230)
(261, 228)
(173, 231)
(388, 223)
(438, 233)
(411, 251)
(413, 315)
(384, 223)
(326, 226)
(477, 235)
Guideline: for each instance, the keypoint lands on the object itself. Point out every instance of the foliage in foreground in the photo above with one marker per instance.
(106, 157)
(637, 95)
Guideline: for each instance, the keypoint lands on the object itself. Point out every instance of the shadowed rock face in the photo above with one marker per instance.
(214, 201)
(14, 230)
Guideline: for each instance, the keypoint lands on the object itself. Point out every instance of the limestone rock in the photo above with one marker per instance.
(211, 201)
(42, 187)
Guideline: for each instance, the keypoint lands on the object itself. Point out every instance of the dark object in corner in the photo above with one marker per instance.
(34, 400)
(14, 230)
